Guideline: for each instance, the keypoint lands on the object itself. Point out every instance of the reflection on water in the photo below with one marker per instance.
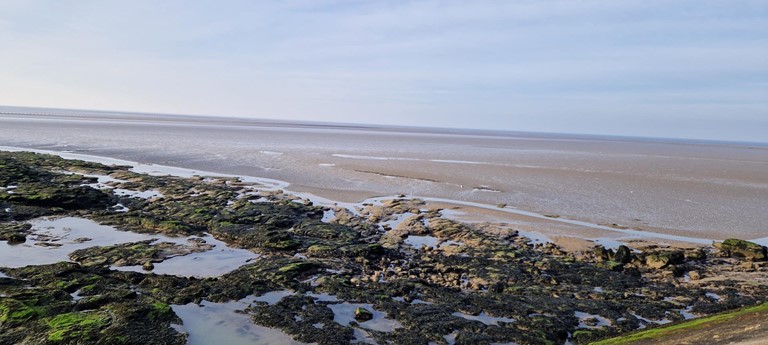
(584, 317)
(484, 318)
(52, 240)
(421, 241)
(344, 313)
(273, 297)
(220, 260)
(220, 323)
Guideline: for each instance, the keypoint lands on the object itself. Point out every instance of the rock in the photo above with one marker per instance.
(148, 266)
(748, 266)
(602, 254)
(477, 283)
(660, 260)
(413, 225)
(742, 249)
(694, 275)
(321, 281)
(614, 266)
(696, 254)
(15, 238)
(93, 261)
(134, 253)
(677, 270)
(538, 286)
(623, 255)
(362, 314)
(14, 233)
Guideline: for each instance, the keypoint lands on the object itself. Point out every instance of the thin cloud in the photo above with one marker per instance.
(574, 66)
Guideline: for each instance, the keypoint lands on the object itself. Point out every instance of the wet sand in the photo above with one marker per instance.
(698, 190)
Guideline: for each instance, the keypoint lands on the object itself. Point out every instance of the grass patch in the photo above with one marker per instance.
(687, 326)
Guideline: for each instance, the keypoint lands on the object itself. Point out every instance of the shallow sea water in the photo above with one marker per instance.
(220, 323)
(64, 234)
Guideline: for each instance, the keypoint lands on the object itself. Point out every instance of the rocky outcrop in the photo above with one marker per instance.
(472, 284)
(736, 248)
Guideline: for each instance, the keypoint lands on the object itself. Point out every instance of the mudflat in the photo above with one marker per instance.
(696, 189)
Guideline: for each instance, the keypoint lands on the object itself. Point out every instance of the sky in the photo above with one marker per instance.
(653, 68)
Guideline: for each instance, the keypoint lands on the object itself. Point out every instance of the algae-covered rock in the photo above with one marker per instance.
(696, 254)
(454, 290)
(742, 249)
(39, 308)
(71, 327)
(660, 260)
(623, 255)
(602, 254)
(362, 314)
(14, 233)
(136, 253)
(48, 195)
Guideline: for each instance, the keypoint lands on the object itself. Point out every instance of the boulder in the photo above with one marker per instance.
(742, 249)
(660, 260)
(602, 254)
(148, 266)
(696, 254)
(623, 255)
(362, 314)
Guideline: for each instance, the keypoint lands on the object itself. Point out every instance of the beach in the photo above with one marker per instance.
(161, 254)
(701, 190)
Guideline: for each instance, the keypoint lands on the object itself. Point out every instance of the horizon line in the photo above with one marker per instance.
(50, 111)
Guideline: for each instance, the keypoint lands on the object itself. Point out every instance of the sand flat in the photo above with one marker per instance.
(705, 190)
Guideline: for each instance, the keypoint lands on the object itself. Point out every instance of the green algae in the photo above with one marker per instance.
(505, 277)
(160, 310)
(75, 325)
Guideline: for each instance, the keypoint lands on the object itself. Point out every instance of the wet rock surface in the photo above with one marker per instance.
(390, 271)
(742, 249)
(37, 307)
(136, 253)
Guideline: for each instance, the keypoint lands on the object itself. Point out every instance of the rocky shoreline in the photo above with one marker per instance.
(391, 271)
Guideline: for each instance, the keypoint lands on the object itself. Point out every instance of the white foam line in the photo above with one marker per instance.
(376, 158)
(455, 161)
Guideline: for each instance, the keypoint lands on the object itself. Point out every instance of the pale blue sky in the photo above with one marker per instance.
(695, 69)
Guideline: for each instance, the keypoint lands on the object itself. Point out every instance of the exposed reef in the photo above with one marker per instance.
(393, 271)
